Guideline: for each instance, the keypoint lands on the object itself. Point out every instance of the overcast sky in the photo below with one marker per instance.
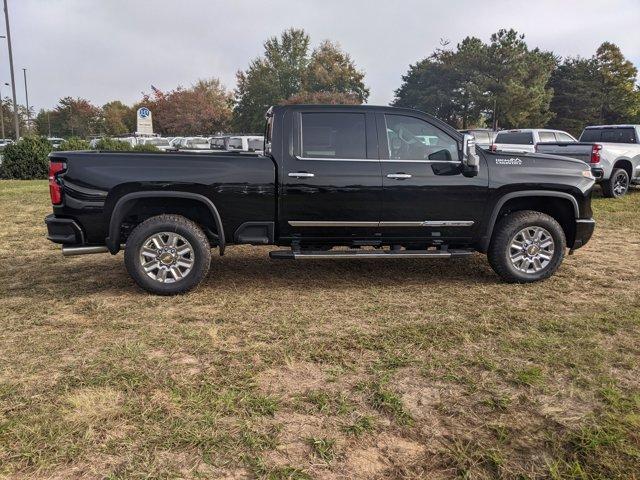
(114, 49)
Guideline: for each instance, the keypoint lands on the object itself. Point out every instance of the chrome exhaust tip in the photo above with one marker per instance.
(72, 251)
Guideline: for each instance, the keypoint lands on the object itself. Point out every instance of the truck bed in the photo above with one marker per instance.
(243, 185)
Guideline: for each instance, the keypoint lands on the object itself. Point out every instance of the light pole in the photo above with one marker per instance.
(26, 93)
(13, 78)
(2, 110)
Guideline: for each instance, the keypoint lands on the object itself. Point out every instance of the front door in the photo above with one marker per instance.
(426, 198)
(331, 185)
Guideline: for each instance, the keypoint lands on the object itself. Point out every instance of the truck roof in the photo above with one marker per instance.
(593, 127)
(364, 108)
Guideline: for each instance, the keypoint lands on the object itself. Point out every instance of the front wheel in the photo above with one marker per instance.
(167, 255)
(526, 246)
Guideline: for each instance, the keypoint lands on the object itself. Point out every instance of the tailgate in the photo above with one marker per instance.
(577, 150)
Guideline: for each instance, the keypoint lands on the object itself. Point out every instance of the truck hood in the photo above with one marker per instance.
(540, 168)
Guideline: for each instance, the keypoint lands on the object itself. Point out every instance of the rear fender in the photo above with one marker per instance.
(120, 210)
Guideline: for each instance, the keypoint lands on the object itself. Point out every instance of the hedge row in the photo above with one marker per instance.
(27, 158)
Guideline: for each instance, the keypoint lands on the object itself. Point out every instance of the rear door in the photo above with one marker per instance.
(331, 185)
(426, 198)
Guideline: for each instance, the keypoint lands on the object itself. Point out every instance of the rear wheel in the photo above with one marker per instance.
(527, 246)
(617, 185)
(167, 255)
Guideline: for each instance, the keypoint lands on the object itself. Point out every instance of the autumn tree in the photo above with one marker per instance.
(287, 72)
(203, 108)
(71, 117)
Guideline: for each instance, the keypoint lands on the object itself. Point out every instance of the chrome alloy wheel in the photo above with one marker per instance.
(531, 249)
(166, 257)
(620, 184)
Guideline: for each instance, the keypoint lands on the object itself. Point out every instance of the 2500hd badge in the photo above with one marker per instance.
(509, 161)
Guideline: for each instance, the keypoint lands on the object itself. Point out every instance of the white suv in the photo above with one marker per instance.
(526, 139)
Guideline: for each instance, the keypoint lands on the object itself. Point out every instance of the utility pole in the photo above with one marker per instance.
(26, 93)
(13, 78)
(2, 110)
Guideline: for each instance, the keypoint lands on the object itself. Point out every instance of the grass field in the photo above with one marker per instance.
(352, 369)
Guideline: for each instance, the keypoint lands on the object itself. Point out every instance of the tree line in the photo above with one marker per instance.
(501, 83)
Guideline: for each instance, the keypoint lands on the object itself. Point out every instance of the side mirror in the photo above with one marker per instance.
(470, 158)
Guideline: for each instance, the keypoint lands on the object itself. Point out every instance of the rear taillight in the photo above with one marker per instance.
(595, 153)
(493, 147)
(55, 189)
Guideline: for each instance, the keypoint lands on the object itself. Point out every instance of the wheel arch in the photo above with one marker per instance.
(127, 202)
(625, 164)
(563, 207)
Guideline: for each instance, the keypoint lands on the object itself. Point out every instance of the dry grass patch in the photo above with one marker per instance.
(347, 369)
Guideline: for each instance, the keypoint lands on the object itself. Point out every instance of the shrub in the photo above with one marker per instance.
(146, 148)
(74, 143)
(26, 159)
(113, 144)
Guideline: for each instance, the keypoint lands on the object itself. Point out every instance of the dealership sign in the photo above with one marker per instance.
(144, 123)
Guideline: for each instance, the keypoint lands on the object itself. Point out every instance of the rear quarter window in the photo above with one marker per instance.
(611, 135)
(515, 138)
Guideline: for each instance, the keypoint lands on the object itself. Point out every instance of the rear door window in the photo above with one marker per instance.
(547, 137)
(563, 137)
(515, 138)
(334, 135)
(482, 137)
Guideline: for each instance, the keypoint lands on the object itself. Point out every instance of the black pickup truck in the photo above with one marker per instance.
(333, 182)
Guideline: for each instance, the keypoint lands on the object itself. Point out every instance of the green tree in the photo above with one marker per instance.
(287, 72)
(619, 100)
(598, 90)
(466, 85)
(118, 118)
(331, 70)
(576, 99)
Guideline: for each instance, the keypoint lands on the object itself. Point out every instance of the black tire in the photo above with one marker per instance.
(197, 248)
(505, 232)
(617, 185)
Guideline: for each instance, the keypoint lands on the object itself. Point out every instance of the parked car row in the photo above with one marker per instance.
(612, 151)
(235, 143)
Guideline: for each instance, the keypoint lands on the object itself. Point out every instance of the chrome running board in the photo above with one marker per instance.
(353, 253)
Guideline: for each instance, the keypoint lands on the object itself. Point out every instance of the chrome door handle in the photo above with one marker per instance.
(399, 176)
(301, 175)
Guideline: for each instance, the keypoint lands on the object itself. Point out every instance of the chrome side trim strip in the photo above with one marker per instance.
(305, 223)
(421, 161)
(426, 223)
(448, 223)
